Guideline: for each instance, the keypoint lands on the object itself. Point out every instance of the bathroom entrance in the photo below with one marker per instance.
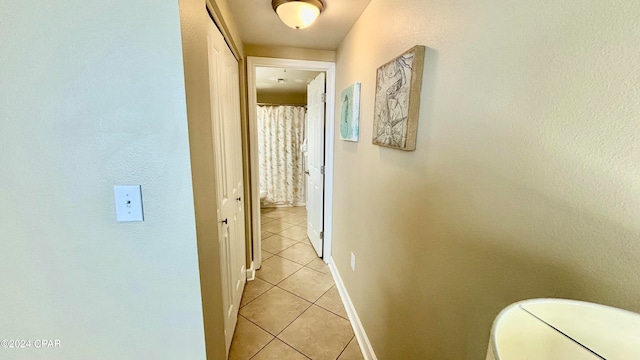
(287, 103)
(281, 123)
(284, 172)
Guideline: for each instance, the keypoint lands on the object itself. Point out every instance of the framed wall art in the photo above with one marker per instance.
(350, 113)
(397, 103)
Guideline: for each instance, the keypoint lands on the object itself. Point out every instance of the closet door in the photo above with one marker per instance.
(225, 118)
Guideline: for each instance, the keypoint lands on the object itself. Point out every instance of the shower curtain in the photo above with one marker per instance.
(280, 136)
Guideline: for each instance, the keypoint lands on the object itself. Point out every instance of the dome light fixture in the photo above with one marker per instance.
(298, 14)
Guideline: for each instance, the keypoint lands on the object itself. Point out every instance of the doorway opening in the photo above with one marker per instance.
(282, 135)
(299, 72)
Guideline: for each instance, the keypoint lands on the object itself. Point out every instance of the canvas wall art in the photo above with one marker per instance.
(397, 104)
(350, 113)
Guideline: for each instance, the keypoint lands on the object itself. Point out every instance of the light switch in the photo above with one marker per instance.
(128, 203)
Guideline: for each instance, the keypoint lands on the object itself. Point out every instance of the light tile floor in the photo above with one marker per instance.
(292, 310)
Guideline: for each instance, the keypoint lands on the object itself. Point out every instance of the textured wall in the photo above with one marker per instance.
(93, 95)
(289, 53)
(194, 22)
(282, 98)
(525, 179)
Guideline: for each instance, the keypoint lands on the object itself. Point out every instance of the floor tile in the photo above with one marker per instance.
(297, 210)
(319, 334)
(319, 265)
(265, 255)
(308, 284)
(352, 352)
(276, 226)
(293, 219)
(331, 301)
(276, 269)
(299, 220)
(265, 234)
(300, 253)
(298, 233)
(277, 243)
(274, 310)
(253, 289)
(273, 213)
(277, 350)
(306, 331)
(248, 339)
(266, 220)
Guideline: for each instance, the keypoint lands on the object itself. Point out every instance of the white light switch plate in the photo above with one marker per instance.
(128, 203)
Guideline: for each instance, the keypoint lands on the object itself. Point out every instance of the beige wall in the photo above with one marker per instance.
(289, 53)
(194, 21)
(525, 178)
(93, 95)
(282, 98)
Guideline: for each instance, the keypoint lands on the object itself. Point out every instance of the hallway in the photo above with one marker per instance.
(292, 309)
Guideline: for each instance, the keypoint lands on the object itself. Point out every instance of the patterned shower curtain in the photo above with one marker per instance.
(280, 136)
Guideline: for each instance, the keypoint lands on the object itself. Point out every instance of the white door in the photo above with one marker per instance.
(315, 161)
(232, 118)
(225, 117)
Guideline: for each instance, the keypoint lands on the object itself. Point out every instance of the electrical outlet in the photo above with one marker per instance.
(353, 262)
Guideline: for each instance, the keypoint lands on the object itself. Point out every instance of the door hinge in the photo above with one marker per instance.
(321, 235)
(323, 97)
(322, 169)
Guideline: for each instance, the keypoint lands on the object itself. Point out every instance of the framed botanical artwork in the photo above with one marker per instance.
(397, 103)
(350, 113)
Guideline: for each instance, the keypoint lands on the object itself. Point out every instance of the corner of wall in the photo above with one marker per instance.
(193, 20)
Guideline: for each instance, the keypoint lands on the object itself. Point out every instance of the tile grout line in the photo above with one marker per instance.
(262, 348)
(294, 320)
(254, 299)
(272, 286)
(345, 348)
(312, 303)
(278, 254)
(322, 307)
(279, 251)
(274, 339)
(261, 328)
(276, 284)
(298, 296)
(287, 291)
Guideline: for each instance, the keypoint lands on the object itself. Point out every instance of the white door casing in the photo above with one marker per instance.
(315, 161)
(227, 148)
(329, 68)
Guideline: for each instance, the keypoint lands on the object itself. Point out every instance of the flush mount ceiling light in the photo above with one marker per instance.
(298, 14)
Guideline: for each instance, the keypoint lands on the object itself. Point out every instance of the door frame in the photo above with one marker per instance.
(329, 136)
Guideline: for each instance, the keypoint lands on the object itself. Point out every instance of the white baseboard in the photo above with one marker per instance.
(361, 335)
(251, 272)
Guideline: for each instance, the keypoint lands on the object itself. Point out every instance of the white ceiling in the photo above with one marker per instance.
(295, 81)
(259, 25)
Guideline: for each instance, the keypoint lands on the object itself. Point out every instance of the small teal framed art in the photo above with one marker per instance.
(350, 113)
